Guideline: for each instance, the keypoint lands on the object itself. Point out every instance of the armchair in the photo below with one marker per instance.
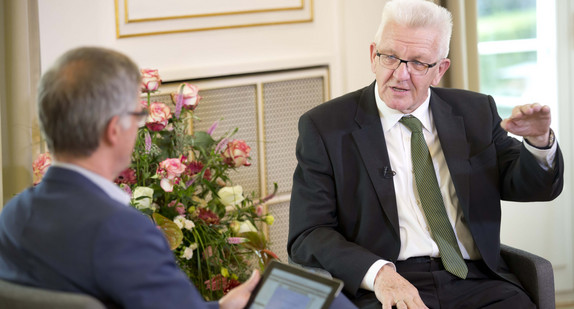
(16, 296)
(534, 272)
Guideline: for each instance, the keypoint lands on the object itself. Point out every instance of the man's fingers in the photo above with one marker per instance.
(529, 109)
(401, 305)
(418, 303)
(387, 303)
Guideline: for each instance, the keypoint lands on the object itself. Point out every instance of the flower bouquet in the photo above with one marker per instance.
(181, 181)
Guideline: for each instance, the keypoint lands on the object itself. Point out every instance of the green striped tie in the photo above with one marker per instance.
(432, 202)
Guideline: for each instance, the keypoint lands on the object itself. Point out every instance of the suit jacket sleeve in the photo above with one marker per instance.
(315, 237)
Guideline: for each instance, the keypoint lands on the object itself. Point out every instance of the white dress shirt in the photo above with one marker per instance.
(416, 239)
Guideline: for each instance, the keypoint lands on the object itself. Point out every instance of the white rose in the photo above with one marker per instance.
(187, 253)
(231, 196)
(179, 221)
(239, 227)
(142, 197)
(188, 224)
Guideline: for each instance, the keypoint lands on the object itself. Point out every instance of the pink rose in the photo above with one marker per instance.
(172, 167)
(40, 166)
(188, 93)
(169, 171)
(237, 153)
(150, 80)
(159, 114)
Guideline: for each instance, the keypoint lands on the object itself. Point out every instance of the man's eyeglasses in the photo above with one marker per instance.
(414, 67)
(141, 116)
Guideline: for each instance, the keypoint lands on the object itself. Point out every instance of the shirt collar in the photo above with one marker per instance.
(110, 188)
(390, 117)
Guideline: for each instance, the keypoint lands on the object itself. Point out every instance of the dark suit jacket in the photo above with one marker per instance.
(67, 234)
(343, 214)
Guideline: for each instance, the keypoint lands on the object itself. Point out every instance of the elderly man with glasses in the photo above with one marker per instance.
(398, 185)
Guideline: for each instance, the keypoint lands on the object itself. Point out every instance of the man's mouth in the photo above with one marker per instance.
(399, 89)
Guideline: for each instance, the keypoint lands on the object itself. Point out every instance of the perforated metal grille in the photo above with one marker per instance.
(233, 107)
(285, 102)
(279, 230)
(162, 97)
(236, 107)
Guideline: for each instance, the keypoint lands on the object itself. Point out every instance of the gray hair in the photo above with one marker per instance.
(418, 13)
(79, 95)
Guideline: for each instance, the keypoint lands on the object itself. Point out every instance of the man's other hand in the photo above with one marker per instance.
(531, 121)
(392, 289)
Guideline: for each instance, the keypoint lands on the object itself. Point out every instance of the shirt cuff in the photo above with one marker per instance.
(368, 282)
(545, 157)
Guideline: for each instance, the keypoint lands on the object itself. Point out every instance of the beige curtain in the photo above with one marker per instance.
(2, 85)
(21, 69)
(463, 72)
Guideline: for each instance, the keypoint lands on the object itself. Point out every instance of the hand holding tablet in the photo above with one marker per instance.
(287, 286)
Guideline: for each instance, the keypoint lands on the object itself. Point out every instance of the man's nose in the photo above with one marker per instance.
(402, 71)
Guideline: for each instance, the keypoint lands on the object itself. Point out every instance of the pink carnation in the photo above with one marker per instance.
(40, 166)
(220, 283)
(127, 176)
(194, 167)
(207, 216)
(179, 207)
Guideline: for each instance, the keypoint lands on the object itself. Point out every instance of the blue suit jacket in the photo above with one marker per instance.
(67, 234)
(343, 214)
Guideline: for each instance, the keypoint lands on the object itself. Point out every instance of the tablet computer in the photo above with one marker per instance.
(287, 286)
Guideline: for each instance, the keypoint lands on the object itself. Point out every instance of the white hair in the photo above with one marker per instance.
(418, 14)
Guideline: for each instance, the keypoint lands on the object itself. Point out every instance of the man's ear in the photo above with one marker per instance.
(373, 50)
(111, 135)
(442, 67)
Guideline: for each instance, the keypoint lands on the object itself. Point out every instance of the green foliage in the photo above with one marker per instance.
(506, 25)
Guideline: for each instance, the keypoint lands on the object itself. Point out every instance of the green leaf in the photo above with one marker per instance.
(256, 240)
(170, 230)
(203, 140)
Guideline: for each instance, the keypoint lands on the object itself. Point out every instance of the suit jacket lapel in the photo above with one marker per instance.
(452, 136)
(370, 141)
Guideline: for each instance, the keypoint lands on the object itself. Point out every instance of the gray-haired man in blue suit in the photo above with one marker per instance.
(74, 231)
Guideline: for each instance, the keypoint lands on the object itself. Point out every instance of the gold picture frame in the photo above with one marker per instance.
(144, 17)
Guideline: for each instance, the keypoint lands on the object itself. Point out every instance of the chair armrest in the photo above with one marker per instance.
(534, 272)
(13, 295)
(316, 270)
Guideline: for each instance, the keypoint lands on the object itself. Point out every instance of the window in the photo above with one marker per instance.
(516, 46)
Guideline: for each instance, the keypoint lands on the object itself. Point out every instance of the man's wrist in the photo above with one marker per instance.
(550, 143)
(368, 282)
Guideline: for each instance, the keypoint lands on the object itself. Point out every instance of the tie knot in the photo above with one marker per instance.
(412, 123)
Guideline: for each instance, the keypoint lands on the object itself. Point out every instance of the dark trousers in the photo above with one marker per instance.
(440, 289)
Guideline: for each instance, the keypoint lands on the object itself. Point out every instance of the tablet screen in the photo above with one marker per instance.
(286, 286)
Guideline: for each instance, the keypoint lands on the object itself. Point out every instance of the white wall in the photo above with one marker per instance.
(339, 36)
